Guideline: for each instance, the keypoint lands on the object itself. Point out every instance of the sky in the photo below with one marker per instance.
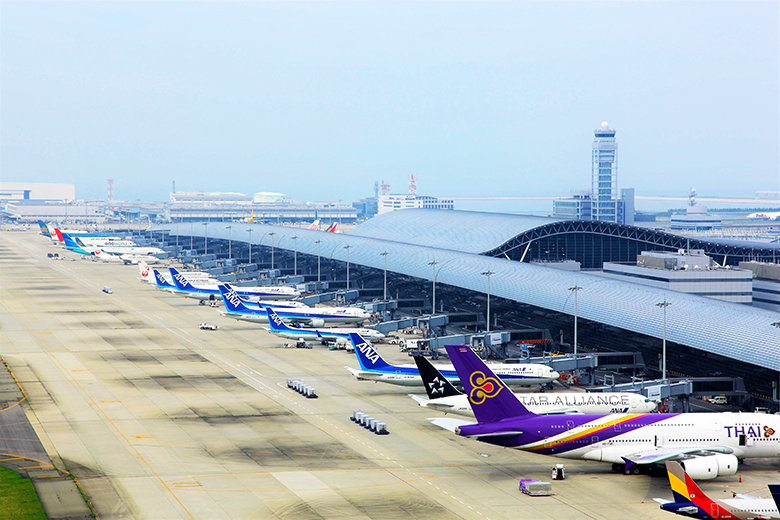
(319, 100)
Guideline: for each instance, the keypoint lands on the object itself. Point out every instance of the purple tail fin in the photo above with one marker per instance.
(489, 397)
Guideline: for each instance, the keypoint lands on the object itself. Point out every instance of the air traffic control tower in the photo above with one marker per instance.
(604, 204)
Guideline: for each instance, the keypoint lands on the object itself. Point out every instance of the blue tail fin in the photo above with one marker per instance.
(69, 243)
(180, 281)
(160, 281)
(490, 398)
(276, 323)
(367, 356)
(233, 301)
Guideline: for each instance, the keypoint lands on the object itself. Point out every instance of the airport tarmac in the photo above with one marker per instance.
(158, 419)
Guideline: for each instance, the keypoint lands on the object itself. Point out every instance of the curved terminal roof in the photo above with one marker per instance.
(732, 330)
(466, 231)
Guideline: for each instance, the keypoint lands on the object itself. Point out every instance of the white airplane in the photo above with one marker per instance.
(236, 308)
(327, 335)
(315, 226)
(210, 290)
(690, 500)
(444, 397)
(767, 215)
(126, 258)
(710, 444)
(374, 368)
(96, 242)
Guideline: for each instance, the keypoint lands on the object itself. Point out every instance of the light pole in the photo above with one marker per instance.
(488, 274)
(177, 238)
(206, 235)
(192, 237)
(250, 244)
(347, 248)
(294, 238)
(433, 265)
(384, 254)
(575, 290)
(318, 242)
(664, 304)
(230, 242)
(272, 233)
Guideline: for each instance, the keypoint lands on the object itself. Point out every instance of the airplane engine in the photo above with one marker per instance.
(317, 323)
(341, 341)
(703, 468)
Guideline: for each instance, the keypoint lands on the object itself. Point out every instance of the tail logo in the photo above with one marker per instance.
(367, 351)
(233, 297)
(180, 278)
(277, 320)
(484, 387)
(145, 272)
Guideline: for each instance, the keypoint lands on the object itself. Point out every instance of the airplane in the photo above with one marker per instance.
(327, 335)
(690, 500)
(315, 226)
(73, 246)
(374, 368)
(313, 316)
(102, 241)
(192, 276)
(444, 397)
(768, 215)
(332, 228)
(210, 291)
(710, 443)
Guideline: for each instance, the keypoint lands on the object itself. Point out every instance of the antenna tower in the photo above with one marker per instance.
(110, 194)
(412, 185)
(385, 188)
(376, 189)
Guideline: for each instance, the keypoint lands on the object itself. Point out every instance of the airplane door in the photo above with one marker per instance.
(659, 441)
(569, 425)
(617, 426)
(714, 510)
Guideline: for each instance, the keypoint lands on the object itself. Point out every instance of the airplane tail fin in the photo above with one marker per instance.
(315, 226)
(179, 280)
(436, 385)
(775, 490)
(58, 234)
(367, 356)
(44, 229)
(67, 240)
(490, 398)
(332, 228)
(143, 269)
(232, 300)
(160, 280)
(685, 490)
(275, 322)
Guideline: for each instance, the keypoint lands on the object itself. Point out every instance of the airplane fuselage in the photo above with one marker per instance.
(610, 437)
(554, 403)
(408, 375)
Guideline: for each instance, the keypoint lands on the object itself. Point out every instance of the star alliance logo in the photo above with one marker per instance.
(437, 386)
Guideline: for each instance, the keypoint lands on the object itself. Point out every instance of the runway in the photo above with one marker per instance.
(161, 420)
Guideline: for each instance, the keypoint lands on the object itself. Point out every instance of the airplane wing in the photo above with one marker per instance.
(658, 455)
(684, 510)
(360, 374)
(449, 424)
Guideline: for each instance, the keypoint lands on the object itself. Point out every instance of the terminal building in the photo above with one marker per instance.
(690, 272)
(766, 283)
(263, 206)
(460, 248)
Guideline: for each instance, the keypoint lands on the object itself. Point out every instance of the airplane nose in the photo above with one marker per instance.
(555, 374)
